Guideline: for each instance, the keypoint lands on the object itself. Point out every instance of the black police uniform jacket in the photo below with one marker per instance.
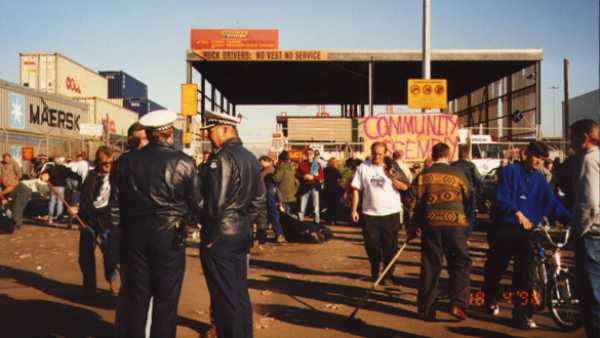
(234, 199)
(157, 182)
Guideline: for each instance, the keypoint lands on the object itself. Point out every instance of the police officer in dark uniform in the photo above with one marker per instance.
(155, 192)
(234, 197)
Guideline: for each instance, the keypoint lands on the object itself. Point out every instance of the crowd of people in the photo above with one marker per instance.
(136, 209)
(438, 200)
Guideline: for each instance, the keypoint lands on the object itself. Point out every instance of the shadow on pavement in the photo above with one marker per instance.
(478, 332)
(57, 319)
(327, 320)
(70, 292)
(40, 318)
(291, 268)
(346, 295)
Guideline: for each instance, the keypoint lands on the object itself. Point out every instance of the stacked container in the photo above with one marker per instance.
(123, 85)
(56, 74)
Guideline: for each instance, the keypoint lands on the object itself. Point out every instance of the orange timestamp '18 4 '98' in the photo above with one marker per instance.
(477, 298)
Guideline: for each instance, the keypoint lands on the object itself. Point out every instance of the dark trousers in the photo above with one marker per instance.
(227, 281)
(151, 266)
(436, 243)
(272, 210)
(508, 242)
(332, 203)
(471, 215)
(381, 240)
(587, 264)
(109, 240)
(20, 197)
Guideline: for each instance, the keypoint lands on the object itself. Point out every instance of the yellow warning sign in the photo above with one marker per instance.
(427, 94)
(189, 99)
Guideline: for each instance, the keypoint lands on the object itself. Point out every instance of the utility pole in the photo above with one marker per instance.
(426, 40)
(566, 116)
(554, 88)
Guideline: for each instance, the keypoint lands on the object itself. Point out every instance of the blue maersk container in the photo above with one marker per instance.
(141, 105)
(123, 85)
(137, 104)
(152, 106)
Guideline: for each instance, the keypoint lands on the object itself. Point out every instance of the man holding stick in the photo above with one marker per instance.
(94, 212)
(381, 207)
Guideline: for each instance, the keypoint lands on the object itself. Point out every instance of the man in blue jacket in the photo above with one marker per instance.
(523, 198)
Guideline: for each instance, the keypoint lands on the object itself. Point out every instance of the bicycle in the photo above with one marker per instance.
(555, 283)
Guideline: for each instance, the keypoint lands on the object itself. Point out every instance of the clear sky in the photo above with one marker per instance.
(148, 39)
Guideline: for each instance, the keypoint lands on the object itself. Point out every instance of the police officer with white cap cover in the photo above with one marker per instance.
(156, 191)
(234, 199)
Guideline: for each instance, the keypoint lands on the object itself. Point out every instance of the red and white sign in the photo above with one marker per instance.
(73, 85)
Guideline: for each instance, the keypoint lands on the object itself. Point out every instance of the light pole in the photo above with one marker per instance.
(426, 40)
(554, 88)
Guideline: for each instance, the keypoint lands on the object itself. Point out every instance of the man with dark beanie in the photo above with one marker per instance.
(523, 198)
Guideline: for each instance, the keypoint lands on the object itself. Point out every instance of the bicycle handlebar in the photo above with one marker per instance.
(545, 227)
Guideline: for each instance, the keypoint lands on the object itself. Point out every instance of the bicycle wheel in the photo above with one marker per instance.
(539, 287)
(564, 303)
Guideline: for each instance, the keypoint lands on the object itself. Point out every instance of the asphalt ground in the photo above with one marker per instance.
(297, 290)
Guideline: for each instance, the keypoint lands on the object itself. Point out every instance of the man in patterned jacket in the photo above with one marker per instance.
(438, 198)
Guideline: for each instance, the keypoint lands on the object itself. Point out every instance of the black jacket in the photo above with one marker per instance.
(156, 182)
(59, 174)
(89, 193)
(234, 198)
(470, 171)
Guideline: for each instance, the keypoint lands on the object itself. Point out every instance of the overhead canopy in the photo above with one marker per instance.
(341, 77)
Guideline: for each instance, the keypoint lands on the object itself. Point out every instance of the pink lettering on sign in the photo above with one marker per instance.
(413, 134)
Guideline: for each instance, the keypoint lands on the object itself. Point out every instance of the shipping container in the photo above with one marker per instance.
(137, 104)
(306, 129)
(123, 85)
(118, 102)
(152, 106)
(47, 123)
(114, 117)
(56, 74)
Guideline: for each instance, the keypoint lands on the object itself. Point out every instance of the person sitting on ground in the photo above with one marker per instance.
(266, 172)
(21, 195)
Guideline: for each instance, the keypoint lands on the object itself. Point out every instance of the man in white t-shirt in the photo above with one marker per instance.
(381, 207)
